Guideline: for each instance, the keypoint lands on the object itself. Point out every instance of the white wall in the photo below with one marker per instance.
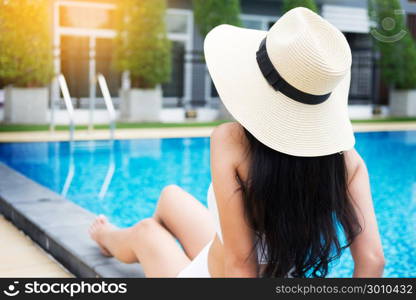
(365, 111)
(177, 115)
(168, 115)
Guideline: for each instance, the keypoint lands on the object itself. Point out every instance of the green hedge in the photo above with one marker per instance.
(398, 52)
(25, 43)
(211, 13)
(142, 45)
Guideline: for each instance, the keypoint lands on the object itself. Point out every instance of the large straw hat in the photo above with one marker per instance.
(288, 86)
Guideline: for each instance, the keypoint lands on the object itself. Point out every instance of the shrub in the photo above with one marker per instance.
(25, 43)
(210, 13)
(289, 4)
(142, 45)
(395, 44)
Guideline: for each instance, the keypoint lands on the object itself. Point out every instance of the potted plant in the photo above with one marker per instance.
(144, 51)
(397, 55)
(289, 4)
(25, 60)
(210, 13)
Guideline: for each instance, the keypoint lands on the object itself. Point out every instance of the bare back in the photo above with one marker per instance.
(230, 158)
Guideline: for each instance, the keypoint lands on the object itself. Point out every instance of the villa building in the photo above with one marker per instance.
(83, 33)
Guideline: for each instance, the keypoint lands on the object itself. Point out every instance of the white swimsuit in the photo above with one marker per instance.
(199, 265)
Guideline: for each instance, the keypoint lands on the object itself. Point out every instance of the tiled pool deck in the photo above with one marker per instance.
(46, 136)
(59, 226)
(43, 136)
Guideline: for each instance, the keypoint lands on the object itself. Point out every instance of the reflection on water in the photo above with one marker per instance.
(122, 179)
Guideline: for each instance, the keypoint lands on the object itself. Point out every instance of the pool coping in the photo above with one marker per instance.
(103, 134)
(57, 225)
(172, 132)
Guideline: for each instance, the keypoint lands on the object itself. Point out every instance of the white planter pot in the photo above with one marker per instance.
(403, 103)
(140, 105)
(26, 105)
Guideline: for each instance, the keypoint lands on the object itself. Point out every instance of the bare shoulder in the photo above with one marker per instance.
(353, 162)
(228, 141)
(228, 134)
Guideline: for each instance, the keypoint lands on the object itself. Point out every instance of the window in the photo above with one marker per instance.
(104, 60)
(177, 23)
(179, 26)
(252, 24)
(86, 17)
(361, 88)
(75, 65)
(411, 22)
(174, 88)
(258, 22)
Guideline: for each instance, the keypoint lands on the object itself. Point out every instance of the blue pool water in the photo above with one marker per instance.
(123, 180)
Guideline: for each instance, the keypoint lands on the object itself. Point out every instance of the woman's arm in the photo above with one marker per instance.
(366, 249)
(226, 152)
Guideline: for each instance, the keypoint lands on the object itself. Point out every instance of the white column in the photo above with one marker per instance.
(125, 80)
(189, 56)
(93, 84)
(55, 95)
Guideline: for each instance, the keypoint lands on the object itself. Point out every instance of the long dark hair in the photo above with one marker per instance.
(296, 206)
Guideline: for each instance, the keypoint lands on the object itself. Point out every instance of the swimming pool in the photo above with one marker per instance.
(123, 180)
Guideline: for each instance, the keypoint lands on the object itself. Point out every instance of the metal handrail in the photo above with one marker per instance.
(109, 176)
(108, 103)
(71, 171)
(68, 104)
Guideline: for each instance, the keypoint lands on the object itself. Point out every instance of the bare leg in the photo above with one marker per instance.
(147, 242)
(186, 218)
(152, 241)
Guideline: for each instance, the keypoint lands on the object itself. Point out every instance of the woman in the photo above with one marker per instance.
(286, 181)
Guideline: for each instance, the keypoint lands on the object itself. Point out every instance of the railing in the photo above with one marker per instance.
(108, 103)
(71, 171)
(110, 173)
(70, 109)
(68, 104)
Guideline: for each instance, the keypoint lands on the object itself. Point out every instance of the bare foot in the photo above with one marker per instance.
(98, 228)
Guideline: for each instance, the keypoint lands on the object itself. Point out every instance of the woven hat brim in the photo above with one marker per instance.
(275, 120)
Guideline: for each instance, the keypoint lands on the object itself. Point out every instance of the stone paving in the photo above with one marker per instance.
(21, 257)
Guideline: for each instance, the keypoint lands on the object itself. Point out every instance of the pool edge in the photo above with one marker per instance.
(57, 225)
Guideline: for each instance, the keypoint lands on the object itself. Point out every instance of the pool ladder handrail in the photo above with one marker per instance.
(68, 105)
(71, 172)
(102, 83)
(109, 176)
